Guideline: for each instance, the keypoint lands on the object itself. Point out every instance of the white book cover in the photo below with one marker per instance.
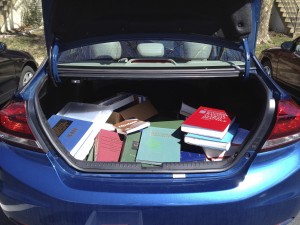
(118, 101)
(88, 112)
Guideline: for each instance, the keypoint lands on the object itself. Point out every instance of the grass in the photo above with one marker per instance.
(35, 43)
(276, 39)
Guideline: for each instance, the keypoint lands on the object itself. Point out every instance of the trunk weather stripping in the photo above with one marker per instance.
(247, 63)
(53, 69)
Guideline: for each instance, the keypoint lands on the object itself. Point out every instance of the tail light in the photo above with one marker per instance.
(14, 127)
(287, 127)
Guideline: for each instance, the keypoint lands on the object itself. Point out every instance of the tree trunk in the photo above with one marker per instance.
(265, 14)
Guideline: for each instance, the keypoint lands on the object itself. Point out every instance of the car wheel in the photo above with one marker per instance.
(26, 75)
(268, 67)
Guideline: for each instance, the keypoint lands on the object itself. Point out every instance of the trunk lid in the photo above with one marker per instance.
(72, 22)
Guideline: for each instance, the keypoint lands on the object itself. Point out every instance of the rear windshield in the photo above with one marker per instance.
(152, 53)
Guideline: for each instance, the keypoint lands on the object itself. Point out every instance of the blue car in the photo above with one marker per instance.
(180, 56)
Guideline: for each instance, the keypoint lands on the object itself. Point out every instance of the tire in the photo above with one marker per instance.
(26, 75)
(268, 67)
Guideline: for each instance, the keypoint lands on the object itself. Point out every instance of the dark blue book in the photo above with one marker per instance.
(190, 153)
(71, 132)
(191, 156)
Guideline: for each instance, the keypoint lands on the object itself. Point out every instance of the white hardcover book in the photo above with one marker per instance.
(118, 101)
(88, 112)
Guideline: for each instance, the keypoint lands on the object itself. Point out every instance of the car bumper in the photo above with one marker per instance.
(34, 190)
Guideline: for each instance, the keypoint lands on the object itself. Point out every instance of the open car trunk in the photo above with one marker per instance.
(246, 99)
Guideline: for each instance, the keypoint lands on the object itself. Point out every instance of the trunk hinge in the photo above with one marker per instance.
(247, 62)
(53, 70)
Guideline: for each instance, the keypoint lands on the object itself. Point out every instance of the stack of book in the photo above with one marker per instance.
(213, 130)
(129, 117)
(152, 145)
(121, 129)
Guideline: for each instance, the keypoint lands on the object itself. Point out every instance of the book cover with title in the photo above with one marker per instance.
(71, 132)
(158, 145)
(208, 122)
(108, 146)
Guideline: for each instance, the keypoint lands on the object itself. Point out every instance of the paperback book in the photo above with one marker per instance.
(208, 122)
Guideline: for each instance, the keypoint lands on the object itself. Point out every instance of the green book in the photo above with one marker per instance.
(173, 124)
(90, 156)
(158, 145)
(131, 147)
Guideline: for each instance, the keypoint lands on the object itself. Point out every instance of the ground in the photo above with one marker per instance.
(30, 41)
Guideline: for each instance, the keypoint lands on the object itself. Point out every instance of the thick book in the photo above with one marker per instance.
(71, 132)
(208, 122)
(108, 146)
(96, 114)
(131, 147)
(236, 143)
(215, 143)
(158, 145)
(130, 126)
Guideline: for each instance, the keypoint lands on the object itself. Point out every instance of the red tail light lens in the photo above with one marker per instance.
(287, 126)
(14, 127)
(13, 120)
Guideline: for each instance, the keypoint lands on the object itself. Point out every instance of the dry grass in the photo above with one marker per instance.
(276, 39)
(33, 43)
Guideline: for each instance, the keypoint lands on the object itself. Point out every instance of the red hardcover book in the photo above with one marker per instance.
(208, 122)
(108, 146)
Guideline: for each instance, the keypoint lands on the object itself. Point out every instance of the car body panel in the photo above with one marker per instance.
(12, 63)
(271, 184)
(47, 189)
(7, 63)
(285, 66)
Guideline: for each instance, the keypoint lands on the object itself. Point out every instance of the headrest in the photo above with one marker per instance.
(151, 49)
(194, 50)
(111, 50)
